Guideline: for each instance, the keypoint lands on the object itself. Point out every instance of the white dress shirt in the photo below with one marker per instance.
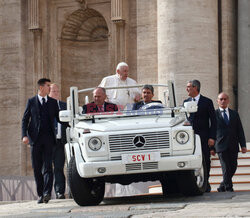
(222, 112)
(41, 98)
(197, 98)
(59, 125)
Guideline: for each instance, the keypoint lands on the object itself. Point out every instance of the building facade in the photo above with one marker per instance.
(78, 42)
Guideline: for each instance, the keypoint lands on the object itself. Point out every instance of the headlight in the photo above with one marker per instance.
(182, 137)
(95, 144)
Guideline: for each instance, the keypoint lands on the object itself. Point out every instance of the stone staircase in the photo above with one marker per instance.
(241, 179)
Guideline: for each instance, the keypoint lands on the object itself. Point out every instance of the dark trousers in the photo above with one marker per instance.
(228, 162)
(41, 156)
(58, 162)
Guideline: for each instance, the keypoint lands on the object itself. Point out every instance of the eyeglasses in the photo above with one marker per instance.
(221, 99)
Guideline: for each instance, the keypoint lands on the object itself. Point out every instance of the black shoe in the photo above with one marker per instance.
(221, 189)
(229, 190)
(60, 196)
(46, 198)
(40, 200)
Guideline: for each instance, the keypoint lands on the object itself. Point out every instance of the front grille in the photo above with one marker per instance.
(142, 166)
(124, 142)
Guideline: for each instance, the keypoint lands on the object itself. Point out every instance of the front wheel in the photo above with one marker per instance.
(85, 191)
(193, 182)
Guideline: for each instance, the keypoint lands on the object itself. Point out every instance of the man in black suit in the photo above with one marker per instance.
(38, 130)
(99, 104)
(229, 135)
(147, 95)
(203, 122)
(58, 150)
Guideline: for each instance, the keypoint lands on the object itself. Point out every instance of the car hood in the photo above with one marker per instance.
(128, 123)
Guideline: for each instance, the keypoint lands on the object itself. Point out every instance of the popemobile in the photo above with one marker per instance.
(153, 143)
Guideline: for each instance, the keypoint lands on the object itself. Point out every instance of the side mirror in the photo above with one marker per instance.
(190, 106)
(65, 116)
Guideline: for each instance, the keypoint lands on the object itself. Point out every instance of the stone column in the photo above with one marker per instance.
(243, 64)
(147, 42)
(188, 44)
(117, 16)
(34, 26)
(228, 49)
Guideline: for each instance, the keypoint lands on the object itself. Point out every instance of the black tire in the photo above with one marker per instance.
(85, 191)
(193, 182)
(169, 185)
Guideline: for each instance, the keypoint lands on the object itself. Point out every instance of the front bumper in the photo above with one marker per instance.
(90, 170)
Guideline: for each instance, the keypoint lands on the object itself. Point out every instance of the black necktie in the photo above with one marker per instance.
(43, 100)
(225, 117)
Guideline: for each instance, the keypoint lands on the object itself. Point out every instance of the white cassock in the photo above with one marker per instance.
(120, 97)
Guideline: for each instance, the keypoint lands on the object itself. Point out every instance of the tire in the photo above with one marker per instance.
(85, 191)
(169, 185)
(193, 182)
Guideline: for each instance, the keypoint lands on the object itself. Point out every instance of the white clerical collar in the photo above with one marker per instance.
(40, 98)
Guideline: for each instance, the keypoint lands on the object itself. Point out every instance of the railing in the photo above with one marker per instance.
(13, 188)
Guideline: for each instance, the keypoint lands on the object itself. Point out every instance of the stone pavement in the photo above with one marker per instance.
(228, 204)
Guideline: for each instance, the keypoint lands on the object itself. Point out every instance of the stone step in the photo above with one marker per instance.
(155, 189)
(241, 161)
(238, 186)
(237, 177)
(240, 169)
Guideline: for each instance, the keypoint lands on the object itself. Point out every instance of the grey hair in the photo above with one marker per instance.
(196, 83)
(150, 87)
(120, 65)
(103, 89)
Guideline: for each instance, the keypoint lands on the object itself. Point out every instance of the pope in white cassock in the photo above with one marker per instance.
(121, 97)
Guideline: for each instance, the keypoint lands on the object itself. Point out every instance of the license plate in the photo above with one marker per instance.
(140, 157)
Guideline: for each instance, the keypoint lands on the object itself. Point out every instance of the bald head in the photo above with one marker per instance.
(99, 95)
(223, 100)
(54, 91)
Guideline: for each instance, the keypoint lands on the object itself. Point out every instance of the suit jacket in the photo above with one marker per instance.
(63, 106)
(204, 120)
(92, 107)
(139, 104)
(228, 137)
(31, 119)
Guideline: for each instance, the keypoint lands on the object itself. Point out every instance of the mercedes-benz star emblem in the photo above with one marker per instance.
(139, 141)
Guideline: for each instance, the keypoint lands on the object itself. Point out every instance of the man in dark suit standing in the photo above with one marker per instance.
(38, 130)
(229, 135)
(99, 104)
(58, 150)
(203, 122)
(147, 95)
